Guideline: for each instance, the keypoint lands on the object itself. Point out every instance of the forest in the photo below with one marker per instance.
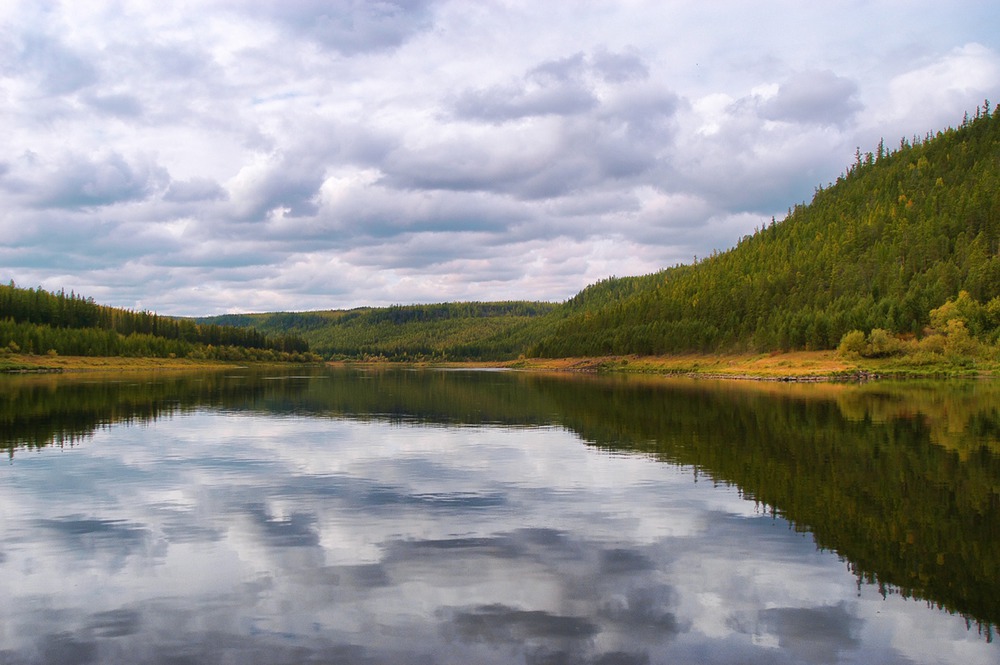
(34, 321)
(443, 331)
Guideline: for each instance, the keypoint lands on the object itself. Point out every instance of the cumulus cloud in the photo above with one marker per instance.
(194, 189)
(276, 183)
(559, 87)
(814, 97)
(919, 99)
(346, 26)
(83, 181)
(54, 67)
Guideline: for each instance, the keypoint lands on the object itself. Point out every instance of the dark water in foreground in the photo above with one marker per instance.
(487, 517)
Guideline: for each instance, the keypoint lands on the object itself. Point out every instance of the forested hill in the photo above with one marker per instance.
(899, 234)
(454, 331)
(36, 321)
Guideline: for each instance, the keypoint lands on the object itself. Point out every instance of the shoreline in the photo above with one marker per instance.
(791, 367)
(795, 366)
(19, 364)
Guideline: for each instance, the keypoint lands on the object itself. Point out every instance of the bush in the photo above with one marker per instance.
(882, 343)
(932, 344)
(852, 344)
(959, 342)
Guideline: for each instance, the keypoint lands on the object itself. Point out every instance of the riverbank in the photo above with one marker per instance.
(32, 364)
(801, 366)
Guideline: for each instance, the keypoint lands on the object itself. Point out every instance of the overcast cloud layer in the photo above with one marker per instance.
(240, 155)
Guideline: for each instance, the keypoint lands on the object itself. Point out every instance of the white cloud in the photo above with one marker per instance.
(959, 79)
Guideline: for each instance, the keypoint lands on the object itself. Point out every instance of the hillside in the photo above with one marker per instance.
(456, 331)
(35, 321)
(898, 235)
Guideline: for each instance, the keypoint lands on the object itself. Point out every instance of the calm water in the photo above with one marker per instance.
(488, 517)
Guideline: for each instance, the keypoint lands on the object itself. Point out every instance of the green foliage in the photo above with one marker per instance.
(443, 331)
(882, 343)
(852, 344)
(958, 342)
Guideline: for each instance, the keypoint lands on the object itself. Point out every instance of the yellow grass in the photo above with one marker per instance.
(100, 364)
(794, 365)
(797, 365)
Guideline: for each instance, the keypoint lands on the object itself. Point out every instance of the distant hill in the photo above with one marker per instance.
(456, 331)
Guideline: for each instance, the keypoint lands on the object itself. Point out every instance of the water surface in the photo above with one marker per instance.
(455, 517)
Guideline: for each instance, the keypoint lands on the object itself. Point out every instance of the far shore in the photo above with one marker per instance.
(801, 366)
(30, 364)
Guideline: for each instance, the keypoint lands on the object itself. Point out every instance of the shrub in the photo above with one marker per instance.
(852, 344)
(932, 344)
(882, 343)
(959, 342)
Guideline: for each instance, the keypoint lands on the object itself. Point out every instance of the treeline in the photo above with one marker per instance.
(898, 235)
(443, 331)
(35, 321)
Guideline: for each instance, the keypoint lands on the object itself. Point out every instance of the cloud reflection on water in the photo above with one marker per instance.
(211, 537)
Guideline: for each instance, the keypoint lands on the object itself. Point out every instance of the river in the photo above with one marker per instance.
(419, 516)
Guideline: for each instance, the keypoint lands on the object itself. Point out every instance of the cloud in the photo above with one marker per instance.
(83, 181)
(560, 87)
(121, 105)
(504, 103)
(559, 131)
(819, 97)
(296, 530)
(815, 635)
(619, 67)
(195, 189)
(921, 99)
(350, 27)
(500, 624)
(56, 68)
(286, 184)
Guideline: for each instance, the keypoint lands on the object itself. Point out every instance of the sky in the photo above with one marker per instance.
(218, 156)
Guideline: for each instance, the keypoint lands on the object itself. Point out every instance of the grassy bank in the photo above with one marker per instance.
(799, 365)
(32, 363)
(793, 366)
